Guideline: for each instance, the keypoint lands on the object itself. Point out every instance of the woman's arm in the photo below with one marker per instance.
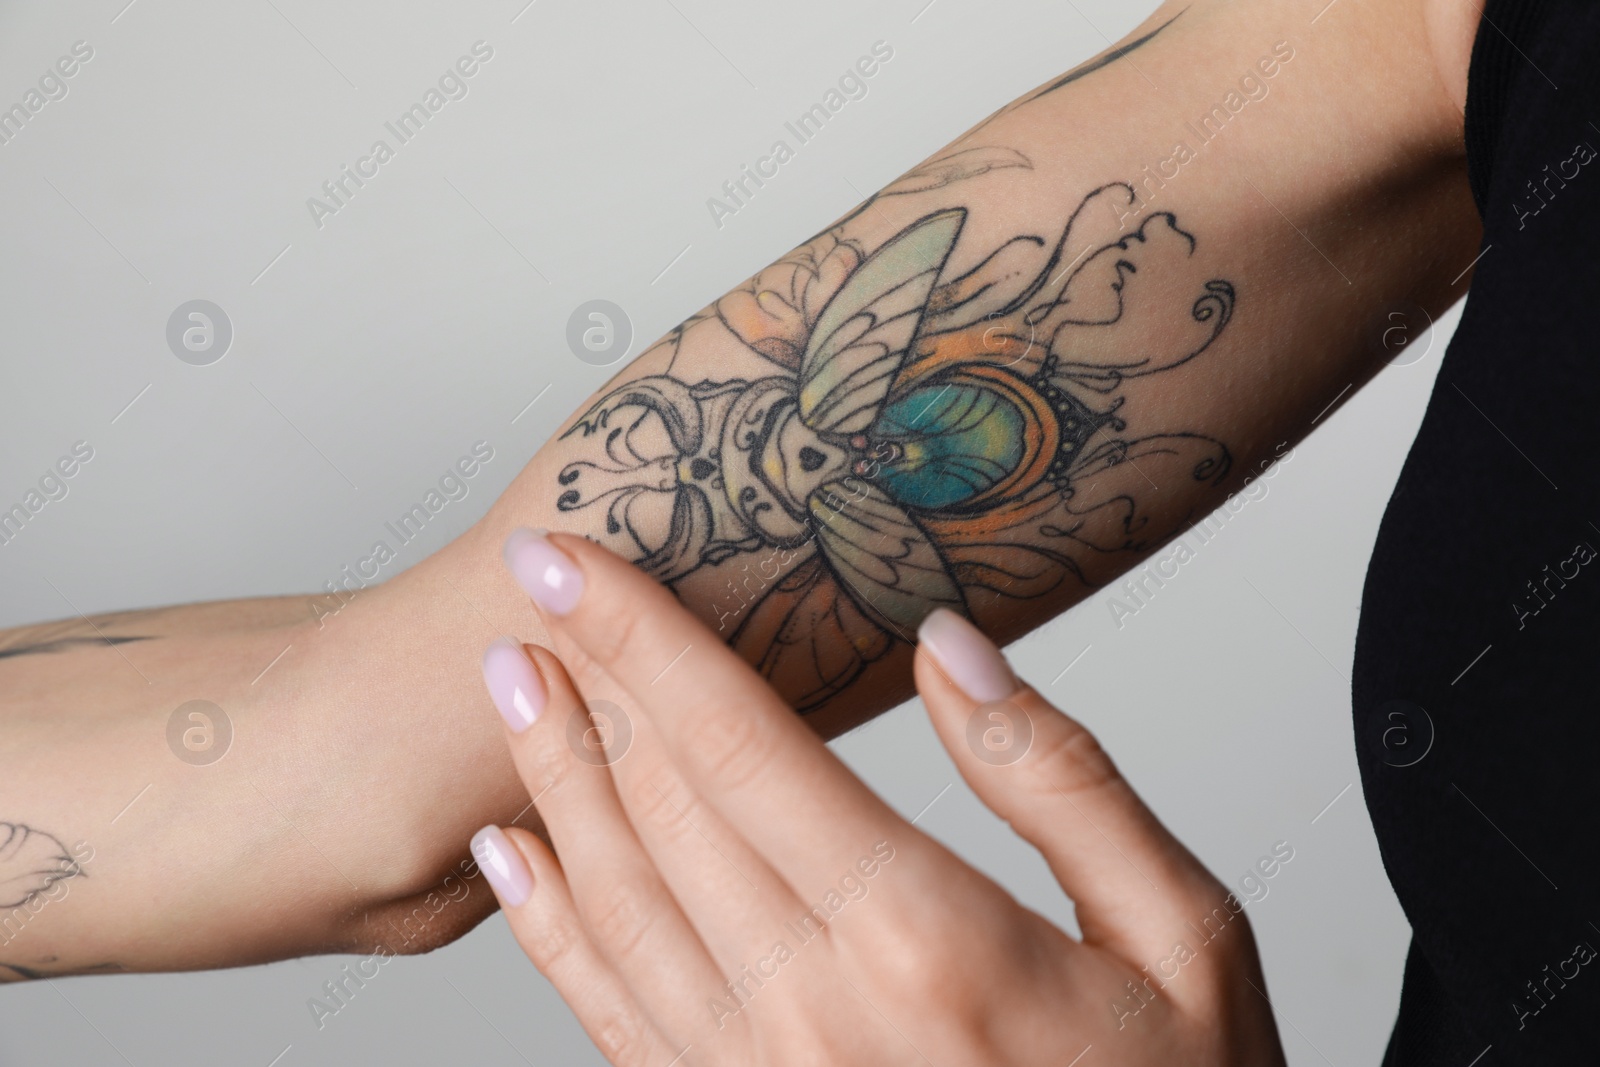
(994, 387)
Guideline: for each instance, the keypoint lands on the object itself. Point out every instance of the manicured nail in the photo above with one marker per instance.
(499, 859)
(544, 571)
(514, 684)
(970, 659)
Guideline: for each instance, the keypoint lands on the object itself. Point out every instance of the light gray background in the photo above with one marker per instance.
(428, 314)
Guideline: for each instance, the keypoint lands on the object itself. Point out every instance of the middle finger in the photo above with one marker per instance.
(733, 898)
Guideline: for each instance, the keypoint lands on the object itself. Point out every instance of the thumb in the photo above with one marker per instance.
(1134, 885)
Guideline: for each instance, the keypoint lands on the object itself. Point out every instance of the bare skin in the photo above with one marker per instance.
(1319, 194)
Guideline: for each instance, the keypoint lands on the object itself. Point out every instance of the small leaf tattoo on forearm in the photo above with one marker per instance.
(31, 861)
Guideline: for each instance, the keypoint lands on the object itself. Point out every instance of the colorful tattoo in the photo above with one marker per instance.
(920, 437)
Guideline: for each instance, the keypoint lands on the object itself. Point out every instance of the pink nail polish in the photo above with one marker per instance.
(544, 571)
(514, 684)
(500, 861)
(970, 659)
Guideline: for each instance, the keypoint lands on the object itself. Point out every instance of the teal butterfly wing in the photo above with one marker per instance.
(862, 336)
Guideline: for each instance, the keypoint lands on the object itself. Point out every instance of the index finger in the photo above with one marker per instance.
(730, 735)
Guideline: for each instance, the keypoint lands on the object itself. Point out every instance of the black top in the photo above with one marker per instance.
(1476, 692)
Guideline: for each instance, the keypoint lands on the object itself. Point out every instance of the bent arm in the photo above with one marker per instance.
(995, 386)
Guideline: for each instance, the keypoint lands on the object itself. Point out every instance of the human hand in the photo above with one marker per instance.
(728, 892)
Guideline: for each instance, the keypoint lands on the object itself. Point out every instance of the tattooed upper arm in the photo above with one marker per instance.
(916, 438)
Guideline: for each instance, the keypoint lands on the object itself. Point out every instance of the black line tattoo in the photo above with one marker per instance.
(920, 440)
(15, 972)
(34, 869)
(64, 644)
(31, 861)
(69, 634)
(1077, 73)
(1102, 62)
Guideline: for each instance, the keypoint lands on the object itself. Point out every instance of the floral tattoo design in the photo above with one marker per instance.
(924, 438)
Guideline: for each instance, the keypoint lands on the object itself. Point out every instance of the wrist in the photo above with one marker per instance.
(382, 752)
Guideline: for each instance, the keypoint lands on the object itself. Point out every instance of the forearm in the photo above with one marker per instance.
(215, 784)
(1106, 407)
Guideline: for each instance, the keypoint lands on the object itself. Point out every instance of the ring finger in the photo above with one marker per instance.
(732, 896)
(620, 898)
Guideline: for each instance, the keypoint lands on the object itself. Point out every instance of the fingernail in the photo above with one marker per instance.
(514, 684)
(544, 571)
(499, 859)
(970, 659)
